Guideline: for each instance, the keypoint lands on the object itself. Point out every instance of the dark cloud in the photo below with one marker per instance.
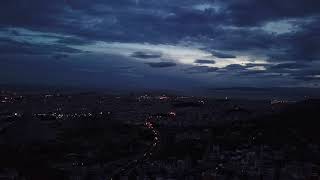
(300, 45)
(34, 13)
(146, 55)
(201, 69)
(307, 74)
(60, 56)
(253, 72)
(125, 67)
(252, 12)
(233, 39)
(288, 66)
(161, 64)
(203, 61)
(249, 65)
(234, 67)
(13, 47)
(222, 55)
(75, 41)
(236, 26)
(308, 78)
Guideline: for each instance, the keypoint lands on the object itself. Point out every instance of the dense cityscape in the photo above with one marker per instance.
(156, 136)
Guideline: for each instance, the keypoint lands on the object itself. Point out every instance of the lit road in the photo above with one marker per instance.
(142, 157)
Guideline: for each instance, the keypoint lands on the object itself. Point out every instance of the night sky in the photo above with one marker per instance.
(160, 44)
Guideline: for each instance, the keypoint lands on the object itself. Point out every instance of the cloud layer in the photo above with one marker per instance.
(213, 42)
